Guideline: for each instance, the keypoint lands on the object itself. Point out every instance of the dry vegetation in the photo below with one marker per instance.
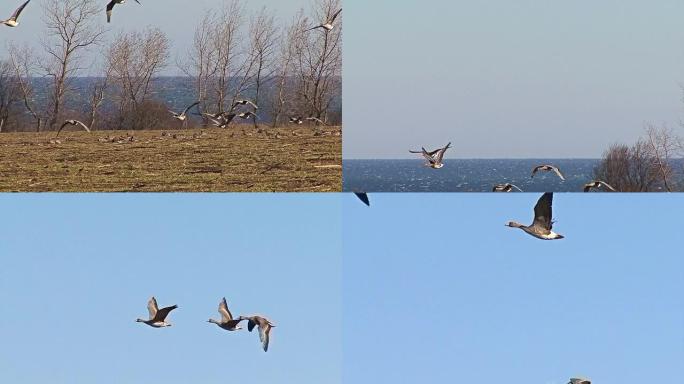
(241, 158)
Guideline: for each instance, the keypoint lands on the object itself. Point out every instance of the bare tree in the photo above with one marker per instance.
(319, 61)
(227, 52)
(662, 144)
(71, 31)
(23, 61)
(201, 58)
(628, 169)
(263, 35)
(134, 59)
(284, 67)
(9, 94)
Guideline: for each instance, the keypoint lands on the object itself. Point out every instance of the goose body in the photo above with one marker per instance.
(579, 381)
(13, 21)
(508, 187)
(157, 316)
(547, 168)
(596, 184)
(183, 115)
(542, 225)
(264, 326)
(434, 158)
(110, 7)
(227, 322)
(296, 120)
(328, 25)
(74, 123)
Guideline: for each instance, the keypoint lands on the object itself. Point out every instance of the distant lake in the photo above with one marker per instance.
(465, 175)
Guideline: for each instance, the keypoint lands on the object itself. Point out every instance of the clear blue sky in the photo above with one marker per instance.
(178, 18)
(501, 78)
(438, 290)
(77, 270)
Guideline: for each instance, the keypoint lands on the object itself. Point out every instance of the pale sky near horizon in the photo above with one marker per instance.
(76, 270)
(437, 290)
(509, 79)
(177, 18)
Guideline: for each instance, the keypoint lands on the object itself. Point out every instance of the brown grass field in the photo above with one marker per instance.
(239, 158)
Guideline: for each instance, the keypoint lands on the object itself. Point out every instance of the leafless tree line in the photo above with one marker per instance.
(236, 54)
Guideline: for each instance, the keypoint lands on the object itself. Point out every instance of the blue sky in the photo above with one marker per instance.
(77, 270)
(501, 78)
(437, 289)
(177, 18)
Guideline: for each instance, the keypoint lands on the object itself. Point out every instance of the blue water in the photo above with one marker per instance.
(464, 175)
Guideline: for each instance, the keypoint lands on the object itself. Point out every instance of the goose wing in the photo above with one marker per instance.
(250, 323)
(335, 15)
(558, 172)
(152, 307)
(363, 196)
(542, 211)
(224, 311)
(589, 186)
(264, 335)
(162, 313)
(440, 155)
(536, 169)
(110, 7)
(68, 122)
(606, 185)
(17, 12)
(429, 155)
(229, 117)
(82, 125)
(516, 187)
(137, 2)
(190, 106)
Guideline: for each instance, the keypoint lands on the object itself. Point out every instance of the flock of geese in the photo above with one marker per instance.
(157, 319)
(433, 159)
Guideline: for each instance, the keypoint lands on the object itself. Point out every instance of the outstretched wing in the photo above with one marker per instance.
(17, 12)
(335, 15)
(250, 324)
(162, 313)
(363, 196)
(110, 6)
(516, 187)
(440, 155)
(264, 335)
(542, 211)
(152, 307)
(190, 106)
(62, 127)
(610, 188)
(224, 311)
(82, 125)
(558, 172)
(587, 187)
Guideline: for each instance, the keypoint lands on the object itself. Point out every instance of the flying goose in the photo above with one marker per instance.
(548, 168)
(315, 119)
(183, 115)
(157, 316)
(434, 158)
(227, 322)
(12, 21)
(328, 25)
(72, 122)
(505, 188)
(296, 120)
(598, 184)
(542, 224)
(363, 196)
(264, 328)
(579, 381)
(244, 102)
(111, 5)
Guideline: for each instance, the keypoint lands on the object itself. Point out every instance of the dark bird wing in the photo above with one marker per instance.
(17, 12)
(250, 324)
(429, 155)
(68, 122)
(162, 313)
(542, 211)
(440, 155)
(264, 335)
(190, 106)
(137, 2)
(335, 15)
(588, 187)
(536, 169)
(558, 172)
(363, 196)
(224, 311)
(228, 118)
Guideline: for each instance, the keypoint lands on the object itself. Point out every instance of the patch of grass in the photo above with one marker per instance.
(236, 159)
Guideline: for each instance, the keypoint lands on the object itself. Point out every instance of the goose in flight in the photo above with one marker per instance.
(264, 328)
(157, 316)
(363, 196)
(598, 184)
(13, 20)
(546, 167)
(223, 120)
(505, 188)
(72, 122)
(183, 115)
(579, 381)
(542, 224)
(434, 158)
(296, 120)
(315, 119)
(245, 102)
(111, 5)
(328, 25)
(227, 322)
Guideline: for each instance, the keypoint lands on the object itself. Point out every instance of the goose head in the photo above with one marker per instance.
(514, 224)
(139, 320)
